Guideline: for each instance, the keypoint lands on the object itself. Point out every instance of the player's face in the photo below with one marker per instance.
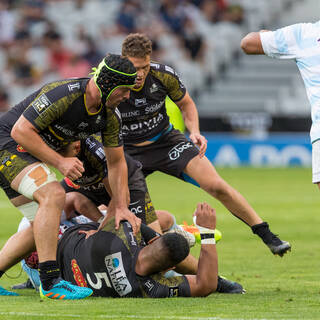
(118, 95)
(142, 66)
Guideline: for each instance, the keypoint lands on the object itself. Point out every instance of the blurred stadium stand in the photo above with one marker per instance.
(45, 40)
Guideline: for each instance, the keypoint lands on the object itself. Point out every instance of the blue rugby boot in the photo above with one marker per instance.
(64, 290)
(4, 292)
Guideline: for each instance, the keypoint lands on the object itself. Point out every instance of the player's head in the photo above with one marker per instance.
(137, 47)
(166, 252)
(113, 72)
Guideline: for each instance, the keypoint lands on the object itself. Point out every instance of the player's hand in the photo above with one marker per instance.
(71, 168)
(88, 233)
(206, 216)
(126, 214)
(199, 141)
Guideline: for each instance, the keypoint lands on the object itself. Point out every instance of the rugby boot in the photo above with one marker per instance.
(64, 290)
(186, 234)
(25, 285)
(228, 286)
(276, 245)
(195, 231)
(4, 292)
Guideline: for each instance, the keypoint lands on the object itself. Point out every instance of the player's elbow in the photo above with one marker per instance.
(16, 132)
(249, 43)
(245, 43)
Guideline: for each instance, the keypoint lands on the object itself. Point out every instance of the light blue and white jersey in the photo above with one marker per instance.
(302, 43)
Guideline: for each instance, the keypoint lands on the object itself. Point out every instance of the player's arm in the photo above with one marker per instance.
(118, 181)
(206, 279)
(27, 135)
(191, 119)
(251, 43)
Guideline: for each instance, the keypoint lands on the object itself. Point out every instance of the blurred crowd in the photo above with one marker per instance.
(44, 40)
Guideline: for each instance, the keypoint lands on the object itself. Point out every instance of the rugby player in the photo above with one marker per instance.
(151, 139)
(115, 263)
(90, 191)
(31, 136)
(94, 184)
(301, 43)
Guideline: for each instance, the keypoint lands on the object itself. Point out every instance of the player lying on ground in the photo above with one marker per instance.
(151, 139)
(115, 263)
(166, 220)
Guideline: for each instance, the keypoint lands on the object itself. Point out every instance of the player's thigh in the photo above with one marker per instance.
(15, 162)
(204, 173)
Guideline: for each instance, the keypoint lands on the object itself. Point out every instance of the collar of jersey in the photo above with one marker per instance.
(90, 113)
(139, 89)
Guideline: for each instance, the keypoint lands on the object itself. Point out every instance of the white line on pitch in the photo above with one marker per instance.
(124, 316)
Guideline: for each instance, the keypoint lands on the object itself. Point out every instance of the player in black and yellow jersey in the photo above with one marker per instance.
(31, 135)
(115, 263)
(150, 138)
(94, 183)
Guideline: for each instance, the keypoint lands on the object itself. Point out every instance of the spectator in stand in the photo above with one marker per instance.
(77, 67)
(127, 16)
(235, 14)
(58, 55)
(213, 10)
(172, 15)
(193, 41)
(6, 24)
(33, 11)
(22, 71)
(92, 53)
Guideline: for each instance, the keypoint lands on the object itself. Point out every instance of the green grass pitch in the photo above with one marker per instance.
(277, 288)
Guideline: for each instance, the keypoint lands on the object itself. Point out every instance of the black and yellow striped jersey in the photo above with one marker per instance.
(144, 114)
(105, 262)
(58, 111)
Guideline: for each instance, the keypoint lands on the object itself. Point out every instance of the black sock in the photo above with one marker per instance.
(49, 272)
(263, 231)
(1, 273)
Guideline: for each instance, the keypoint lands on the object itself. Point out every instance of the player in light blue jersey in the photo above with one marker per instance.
(300, 42)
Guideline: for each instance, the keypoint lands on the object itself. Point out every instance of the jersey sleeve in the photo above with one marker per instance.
(289, 42)
(50, 104)
(94, 153)
(157, 286)
(170, 79)
(112, 135)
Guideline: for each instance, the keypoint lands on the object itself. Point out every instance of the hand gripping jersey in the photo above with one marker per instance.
(144, 115)
(106, 262)
(59, 112)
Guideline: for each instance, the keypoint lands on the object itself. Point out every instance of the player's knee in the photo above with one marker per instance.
(166, 219)
(52, 193)
(82, 204)
(35, 180)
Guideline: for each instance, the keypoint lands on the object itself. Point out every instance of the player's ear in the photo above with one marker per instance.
(77, 146)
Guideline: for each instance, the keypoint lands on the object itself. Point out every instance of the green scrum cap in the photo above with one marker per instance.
(113, 72)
